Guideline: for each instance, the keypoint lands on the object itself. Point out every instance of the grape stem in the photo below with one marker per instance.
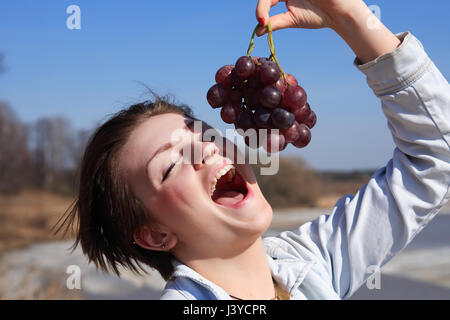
(273, 55)
(272, 51)
(251, 46)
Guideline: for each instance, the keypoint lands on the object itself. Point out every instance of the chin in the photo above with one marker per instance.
(257, 216)
(239, 198)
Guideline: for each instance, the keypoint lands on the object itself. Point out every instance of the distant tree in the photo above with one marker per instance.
(295, 184)
(43, 155)
(52, 144)
(14, 155)
(80, 141)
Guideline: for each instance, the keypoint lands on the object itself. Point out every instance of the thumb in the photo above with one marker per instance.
(277, 22)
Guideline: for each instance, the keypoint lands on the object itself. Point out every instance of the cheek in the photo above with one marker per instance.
(168, 201)
(178, 200)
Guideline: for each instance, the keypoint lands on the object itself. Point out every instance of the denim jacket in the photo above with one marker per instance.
(331, 256)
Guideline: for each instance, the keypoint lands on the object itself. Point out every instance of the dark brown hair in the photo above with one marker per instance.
(106, 213)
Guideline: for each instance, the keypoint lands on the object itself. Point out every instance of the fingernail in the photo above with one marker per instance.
(261, 21)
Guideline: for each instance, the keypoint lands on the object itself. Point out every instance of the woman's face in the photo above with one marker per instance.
(177, 189)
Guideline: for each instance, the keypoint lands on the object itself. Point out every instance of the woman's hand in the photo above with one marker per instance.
(309, 14)
(351, 19)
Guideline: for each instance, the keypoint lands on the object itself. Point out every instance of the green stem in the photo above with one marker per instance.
(272, 51)
(273, 55)
(251, 46)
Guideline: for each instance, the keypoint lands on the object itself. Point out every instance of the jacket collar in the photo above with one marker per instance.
(288, 272)
(182, 270)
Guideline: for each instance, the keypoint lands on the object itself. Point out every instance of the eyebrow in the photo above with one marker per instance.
(163, 148)
(168, 145)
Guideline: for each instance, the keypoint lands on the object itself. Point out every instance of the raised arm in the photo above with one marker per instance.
(368, 229)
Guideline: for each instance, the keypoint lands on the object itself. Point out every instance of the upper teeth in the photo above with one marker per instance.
(228, 168)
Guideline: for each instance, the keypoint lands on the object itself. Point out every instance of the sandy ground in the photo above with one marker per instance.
(422, 271)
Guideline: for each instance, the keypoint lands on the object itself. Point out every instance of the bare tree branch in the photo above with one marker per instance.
(15, 162)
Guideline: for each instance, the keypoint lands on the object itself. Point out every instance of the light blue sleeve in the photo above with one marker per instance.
(368, 229)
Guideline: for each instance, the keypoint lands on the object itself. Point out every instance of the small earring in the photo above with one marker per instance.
(163, 245)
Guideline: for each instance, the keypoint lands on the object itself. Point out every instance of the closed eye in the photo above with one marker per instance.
(166, 174)
(189, 124)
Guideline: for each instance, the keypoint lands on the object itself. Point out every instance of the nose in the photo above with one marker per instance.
(208, 151)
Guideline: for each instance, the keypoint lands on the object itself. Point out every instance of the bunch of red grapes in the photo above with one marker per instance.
(254, 94)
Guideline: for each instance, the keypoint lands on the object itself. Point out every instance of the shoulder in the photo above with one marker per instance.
(185, 288)
(173, 291)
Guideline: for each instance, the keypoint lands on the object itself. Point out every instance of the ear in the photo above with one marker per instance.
(155, 239)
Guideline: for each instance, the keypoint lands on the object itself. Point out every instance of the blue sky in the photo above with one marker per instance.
(176, 47)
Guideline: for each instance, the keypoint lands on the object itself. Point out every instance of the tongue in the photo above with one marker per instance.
(228, 198)
(228, 193)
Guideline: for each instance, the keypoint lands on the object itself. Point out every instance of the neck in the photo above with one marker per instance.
(245, 275)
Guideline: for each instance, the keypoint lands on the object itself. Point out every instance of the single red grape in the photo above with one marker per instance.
(269, 72)
(223, 75)
(217, 95)
(281, 85)
(294, 98)
(311, 120)
(275, 142)
(245, 67)
(282, 119)
(302, 114)
(228, 113)
(270, 97)
(304, 138)
(262, 118)
(292, 133)
(291, 79)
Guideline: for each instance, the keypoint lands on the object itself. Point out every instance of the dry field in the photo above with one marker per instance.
(28, 216)
(331, 190)
(38, 272)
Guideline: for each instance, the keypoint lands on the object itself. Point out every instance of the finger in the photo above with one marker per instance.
(262, 10)
(277, 22)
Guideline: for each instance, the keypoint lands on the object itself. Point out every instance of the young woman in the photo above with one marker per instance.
(137, 205)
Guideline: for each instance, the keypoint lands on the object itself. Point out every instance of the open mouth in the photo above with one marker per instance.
(228, 187)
